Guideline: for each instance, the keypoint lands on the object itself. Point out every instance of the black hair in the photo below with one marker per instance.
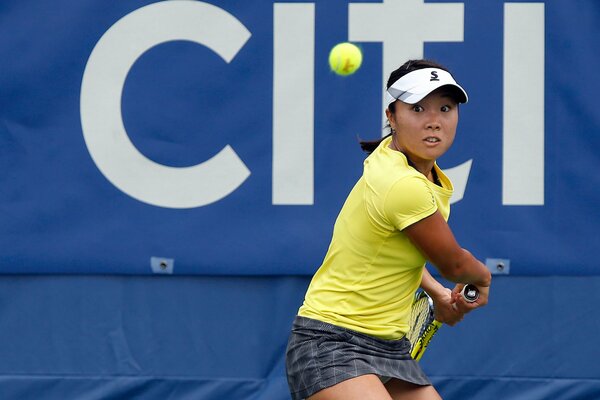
(411, 65)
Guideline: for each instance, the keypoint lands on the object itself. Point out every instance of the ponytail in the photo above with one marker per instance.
(369, 146)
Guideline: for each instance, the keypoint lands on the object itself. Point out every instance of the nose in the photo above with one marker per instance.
(434, 125)
(433, 120)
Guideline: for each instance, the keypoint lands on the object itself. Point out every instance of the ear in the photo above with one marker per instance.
(390, 117)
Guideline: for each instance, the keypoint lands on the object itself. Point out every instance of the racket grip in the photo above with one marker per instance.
(470, 293)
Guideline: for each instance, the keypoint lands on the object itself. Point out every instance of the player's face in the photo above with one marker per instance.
(426, 130)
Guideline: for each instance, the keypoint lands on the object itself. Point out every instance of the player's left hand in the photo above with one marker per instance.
(444, 309)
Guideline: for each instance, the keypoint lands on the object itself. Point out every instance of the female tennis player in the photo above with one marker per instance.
(348, 339)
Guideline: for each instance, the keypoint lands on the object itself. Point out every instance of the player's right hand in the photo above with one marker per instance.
(463, 305)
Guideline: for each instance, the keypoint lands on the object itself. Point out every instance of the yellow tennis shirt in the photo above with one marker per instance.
(371, 270)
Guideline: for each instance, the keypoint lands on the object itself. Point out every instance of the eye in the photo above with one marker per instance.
(417, 108)
(446, 108)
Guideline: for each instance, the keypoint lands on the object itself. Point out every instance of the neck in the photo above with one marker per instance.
(424, 167)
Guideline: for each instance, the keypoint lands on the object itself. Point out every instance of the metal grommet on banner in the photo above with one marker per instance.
(162, 265)
(498, 266)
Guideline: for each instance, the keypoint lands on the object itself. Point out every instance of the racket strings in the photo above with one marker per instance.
(420, 317)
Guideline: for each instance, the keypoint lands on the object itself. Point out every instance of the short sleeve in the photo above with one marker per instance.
(408, 201)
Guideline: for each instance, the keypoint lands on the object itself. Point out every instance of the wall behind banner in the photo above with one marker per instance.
(213, 338)
(210, 138)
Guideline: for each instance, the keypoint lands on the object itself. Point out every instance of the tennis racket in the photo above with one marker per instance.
(422, 322)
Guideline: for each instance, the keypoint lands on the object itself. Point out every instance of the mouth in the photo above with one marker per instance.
(432, 139)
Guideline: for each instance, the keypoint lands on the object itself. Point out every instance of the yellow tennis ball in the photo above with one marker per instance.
(345, 58)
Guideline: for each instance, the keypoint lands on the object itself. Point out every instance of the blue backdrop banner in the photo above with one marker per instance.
(189, 137)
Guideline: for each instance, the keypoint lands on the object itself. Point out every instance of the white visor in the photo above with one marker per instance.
(415, 85)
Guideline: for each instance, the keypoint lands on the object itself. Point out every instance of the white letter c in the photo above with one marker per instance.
(101, 91)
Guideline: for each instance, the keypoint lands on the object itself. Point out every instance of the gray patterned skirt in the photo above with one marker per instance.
(320, 355)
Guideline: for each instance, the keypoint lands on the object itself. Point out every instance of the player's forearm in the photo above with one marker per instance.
(431, 285)
(467, 269)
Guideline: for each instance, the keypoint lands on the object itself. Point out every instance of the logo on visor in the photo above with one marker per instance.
(434, 76)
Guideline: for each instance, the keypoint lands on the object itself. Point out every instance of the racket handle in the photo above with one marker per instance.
(470, 293)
